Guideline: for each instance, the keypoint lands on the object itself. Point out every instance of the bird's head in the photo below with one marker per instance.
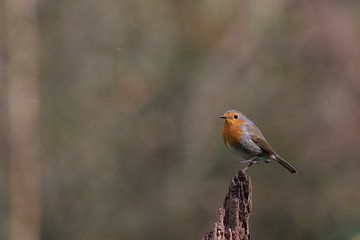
(232, 117)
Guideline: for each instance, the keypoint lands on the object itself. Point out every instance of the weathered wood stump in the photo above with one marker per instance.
(233, 221)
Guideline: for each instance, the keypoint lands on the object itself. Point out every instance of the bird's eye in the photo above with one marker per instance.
(236, 116)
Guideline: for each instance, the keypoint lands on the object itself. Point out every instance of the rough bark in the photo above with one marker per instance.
(233, 220)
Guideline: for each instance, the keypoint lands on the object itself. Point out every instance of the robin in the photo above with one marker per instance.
(243, 138)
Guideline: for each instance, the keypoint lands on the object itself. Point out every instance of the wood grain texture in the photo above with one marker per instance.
(233, 219)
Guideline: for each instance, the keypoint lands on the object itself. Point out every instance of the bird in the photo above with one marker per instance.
(245, 139)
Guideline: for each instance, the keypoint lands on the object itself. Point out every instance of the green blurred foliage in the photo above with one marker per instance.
(130, 96)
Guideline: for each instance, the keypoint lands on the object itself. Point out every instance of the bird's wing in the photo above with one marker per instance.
(258, 138)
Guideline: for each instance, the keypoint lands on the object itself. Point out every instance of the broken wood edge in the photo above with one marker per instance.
(234, 215)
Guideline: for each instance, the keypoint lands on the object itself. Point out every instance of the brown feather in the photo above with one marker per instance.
(258, 138)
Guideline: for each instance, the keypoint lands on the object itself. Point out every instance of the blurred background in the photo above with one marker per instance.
(109, 110)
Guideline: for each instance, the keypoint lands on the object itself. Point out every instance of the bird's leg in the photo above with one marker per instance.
(249, 160)
(252, 162)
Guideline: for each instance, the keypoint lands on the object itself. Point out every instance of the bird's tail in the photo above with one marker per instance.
(285, 164)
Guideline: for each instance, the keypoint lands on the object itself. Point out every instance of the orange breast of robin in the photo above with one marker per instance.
(232, 133)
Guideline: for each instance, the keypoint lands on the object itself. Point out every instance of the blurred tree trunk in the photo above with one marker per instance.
(23, 109)
(233, 221)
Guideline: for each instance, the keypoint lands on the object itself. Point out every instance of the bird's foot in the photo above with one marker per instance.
(250, 164)
(249, 160)
(245, 161)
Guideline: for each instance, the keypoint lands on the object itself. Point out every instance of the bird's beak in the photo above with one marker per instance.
(222, 116)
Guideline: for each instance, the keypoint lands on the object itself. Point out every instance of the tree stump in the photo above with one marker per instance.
(233, 220)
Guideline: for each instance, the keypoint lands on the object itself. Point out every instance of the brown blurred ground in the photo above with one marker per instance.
(130, 92)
